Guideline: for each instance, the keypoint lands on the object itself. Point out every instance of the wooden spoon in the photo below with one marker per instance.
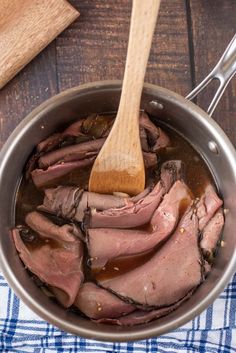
(119, 165)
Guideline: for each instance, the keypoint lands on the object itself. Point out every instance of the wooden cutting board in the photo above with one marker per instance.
(27, 27)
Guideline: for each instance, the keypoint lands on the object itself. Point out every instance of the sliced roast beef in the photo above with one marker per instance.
(146, 254)
(61, 201)
(150, 160)
(97, 126)
(211, 234)
(98, 303)
(55, 139)
(105, 244)
(48, 230)
(75, 129)
(142, 211)
(64, 152)
(174, 271)
(143, 139)
(141, 195)
(45, 178)
(138, 317)
(208, 205)
(71, 202)
(156, 138)
(128, 216)
(104, 307)
(78, 132)
(174, 204)
(94, 127)
(58, 263)
(71, 153)
(49, 143)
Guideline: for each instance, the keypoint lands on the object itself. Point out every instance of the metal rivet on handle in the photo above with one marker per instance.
(156, 105)
(213, 147)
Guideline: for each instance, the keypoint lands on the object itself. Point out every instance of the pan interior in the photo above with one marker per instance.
(166, 108)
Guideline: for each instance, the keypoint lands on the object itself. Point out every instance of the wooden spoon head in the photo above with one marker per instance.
(123, 170)
(117, 181)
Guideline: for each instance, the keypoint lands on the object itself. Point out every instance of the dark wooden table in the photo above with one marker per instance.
(190, 37)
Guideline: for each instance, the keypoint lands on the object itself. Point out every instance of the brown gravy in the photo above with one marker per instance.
(119, 266)
(197, 176)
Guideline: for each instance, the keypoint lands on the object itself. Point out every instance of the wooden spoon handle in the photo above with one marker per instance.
(143, 21)
(119, 165)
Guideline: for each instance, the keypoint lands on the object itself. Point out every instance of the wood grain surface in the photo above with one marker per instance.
(26, 27)
(189, 39)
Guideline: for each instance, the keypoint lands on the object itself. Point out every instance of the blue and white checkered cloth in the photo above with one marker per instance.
(22, 331)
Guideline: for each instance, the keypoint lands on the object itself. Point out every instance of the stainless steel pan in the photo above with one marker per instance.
(168, 108)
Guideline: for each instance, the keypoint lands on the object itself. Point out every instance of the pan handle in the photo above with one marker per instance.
(223, 71)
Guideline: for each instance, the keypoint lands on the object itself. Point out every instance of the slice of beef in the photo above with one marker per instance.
(75, 129)
(48, 230)
(138, 317)
(61, 201)
(141, 212)
(128, 216)
(100, 202)
(173, 206)
(150, 160)
(142, 194)
(49, 143)
(105, 244)
(211, 235)
(57, 263)
(71, 153)
(156, 138)
(73, 134)
(98, 303)
(45, 178)
(55, 139)
(94, 127)
(174, 271)
(97, 126)
(31, 165)
(71, 202)
(207, 206)
(143, 139)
